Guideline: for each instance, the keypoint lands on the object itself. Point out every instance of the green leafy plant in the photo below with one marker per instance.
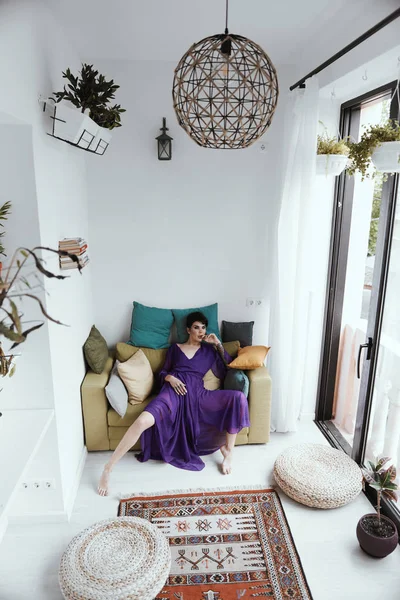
(4, 212)
(15, 285)
(91, 91)
(374, 136)
(108, 117)
(382, 480)
(331, 145)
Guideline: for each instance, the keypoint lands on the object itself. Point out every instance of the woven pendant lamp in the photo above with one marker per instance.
(225, 91)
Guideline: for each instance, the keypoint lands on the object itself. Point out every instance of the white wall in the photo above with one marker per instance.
(187, 232)
(32, 386)
(33, 54)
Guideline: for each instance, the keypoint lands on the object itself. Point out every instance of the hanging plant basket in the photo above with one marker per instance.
(73, 126)
(386, 157)
(331, 164)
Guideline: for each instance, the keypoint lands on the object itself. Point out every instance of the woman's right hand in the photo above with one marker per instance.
(177, 385)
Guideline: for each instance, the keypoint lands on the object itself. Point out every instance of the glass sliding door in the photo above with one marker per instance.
(366, 203)
(383, 437)
(358, 407)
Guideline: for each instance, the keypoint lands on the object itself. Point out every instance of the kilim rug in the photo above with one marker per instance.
(225, 545)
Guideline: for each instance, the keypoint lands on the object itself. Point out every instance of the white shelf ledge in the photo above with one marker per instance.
(21, 433)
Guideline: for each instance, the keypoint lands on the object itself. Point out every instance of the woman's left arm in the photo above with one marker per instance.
(222, 358)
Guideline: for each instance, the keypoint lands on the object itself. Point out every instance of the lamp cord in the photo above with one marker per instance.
(226, 19)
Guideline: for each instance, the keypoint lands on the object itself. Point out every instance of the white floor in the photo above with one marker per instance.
(335, 566)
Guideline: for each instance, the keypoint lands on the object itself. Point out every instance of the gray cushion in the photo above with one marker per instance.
(238, 331)
(236, 379)
(116, 392)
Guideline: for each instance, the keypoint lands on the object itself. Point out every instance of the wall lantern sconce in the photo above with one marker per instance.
(164, 145)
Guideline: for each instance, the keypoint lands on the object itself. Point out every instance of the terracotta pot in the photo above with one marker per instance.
(375, 545)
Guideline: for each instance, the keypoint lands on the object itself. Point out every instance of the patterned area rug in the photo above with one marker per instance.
(225, 545)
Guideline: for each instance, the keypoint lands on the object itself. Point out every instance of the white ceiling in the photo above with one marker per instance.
(297, 32)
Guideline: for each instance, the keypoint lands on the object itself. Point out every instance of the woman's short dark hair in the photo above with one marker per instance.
(196, 316)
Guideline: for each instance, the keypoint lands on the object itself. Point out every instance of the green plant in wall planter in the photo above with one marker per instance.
(380, 146)
(332, 154)
(108, 118)
(91, 94)
(16, 284)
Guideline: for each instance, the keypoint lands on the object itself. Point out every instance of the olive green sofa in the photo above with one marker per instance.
(104, 427)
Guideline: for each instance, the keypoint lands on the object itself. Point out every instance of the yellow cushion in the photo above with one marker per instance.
(156, 358)
(250, 357)
(137, 375)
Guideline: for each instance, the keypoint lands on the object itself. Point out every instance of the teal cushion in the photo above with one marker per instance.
(180, 314)
(150, 326)
(236, 379)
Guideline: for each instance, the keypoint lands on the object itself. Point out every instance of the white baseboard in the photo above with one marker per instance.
(70, 501)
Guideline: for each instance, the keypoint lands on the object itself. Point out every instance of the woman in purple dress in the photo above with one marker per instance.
(186, 421)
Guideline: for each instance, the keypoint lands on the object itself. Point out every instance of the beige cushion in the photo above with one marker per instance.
(210, 381)
(137, 375)
(156, 358)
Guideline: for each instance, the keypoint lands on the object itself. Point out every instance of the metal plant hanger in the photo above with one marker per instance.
(225, 91)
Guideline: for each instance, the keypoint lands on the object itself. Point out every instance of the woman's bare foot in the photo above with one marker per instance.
(102, 490)
(227, 462)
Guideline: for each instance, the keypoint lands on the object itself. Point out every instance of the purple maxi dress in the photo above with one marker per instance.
(195, 424)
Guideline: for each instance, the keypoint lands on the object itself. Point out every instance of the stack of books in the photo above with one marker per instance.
(77, 246)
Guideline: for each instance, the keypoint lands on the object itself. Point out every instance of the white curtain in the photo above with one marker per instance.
(291, 300)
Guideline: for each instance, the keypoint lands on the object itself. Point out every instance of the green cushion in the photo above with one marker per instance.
(236, 379)
(96, 351)
(232, 348)
(150, 326)
(180, 314)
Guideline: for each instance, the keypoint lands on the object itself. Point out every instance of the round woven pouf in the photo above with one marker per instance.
(318, 475)
(115, 559)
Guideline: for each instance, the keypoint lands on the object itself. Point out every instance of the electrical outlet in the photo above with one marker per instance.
(255, 302)
(39, 484)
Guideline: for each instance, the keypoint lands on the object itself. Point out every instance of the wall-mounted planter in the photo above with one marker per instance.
(331, 164)
(101, 140)
(386, 157)
(73, 126)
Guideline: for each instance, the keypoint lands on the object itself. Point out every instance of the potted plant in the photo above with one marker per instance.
(90, 93)
(4, 212)
(379, 144)
(108, 118)
(376, 533)
(15, 285)
(332, 155)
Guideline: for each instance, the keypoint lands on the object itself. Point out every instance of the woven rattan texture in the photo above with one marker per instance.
(318, 476)
(225, 100)
(115, 559)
